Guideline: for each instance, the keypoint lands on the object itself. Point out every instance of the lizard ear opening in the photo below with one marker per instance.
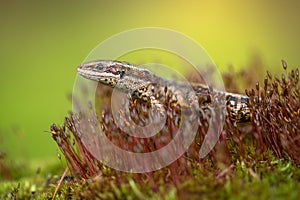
(122, 74)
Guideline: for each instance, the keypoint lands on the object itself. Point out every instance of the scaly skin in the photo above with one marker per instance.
(145, 85)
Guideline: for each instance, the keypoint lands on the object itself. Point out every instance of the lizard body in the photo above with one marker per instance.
(143, 84)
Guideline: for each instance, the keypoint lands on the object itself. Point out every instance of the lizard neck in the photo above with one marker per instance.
(138, 79)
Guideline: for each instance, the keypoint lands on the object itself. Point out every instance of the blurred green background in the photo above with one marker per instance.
(42, 42)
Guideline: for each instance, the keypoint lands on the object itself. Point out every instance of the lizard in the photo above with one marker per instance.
(143, 84)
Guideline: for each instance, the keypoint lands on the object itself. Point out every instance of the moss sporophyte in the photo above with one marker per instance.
(261, 134)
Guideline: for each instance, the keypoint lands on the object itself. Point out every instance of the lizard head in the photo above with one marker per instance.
(123, 75)
(107, 72)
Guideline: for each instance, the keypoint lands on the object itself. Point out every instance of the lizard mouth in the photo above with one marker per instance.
(103, 77)
(88, 73)
(91, 70)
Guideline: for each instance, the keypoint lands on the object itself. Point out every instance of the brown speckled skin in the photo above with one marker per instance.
(145, 85)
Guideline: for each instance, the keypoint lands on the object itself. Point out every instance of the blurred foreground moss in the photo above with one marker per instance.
(257, 160)
(280, 179)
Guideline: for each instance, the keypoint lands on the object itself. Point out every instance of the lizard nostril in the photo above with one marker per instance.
(79, 68)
